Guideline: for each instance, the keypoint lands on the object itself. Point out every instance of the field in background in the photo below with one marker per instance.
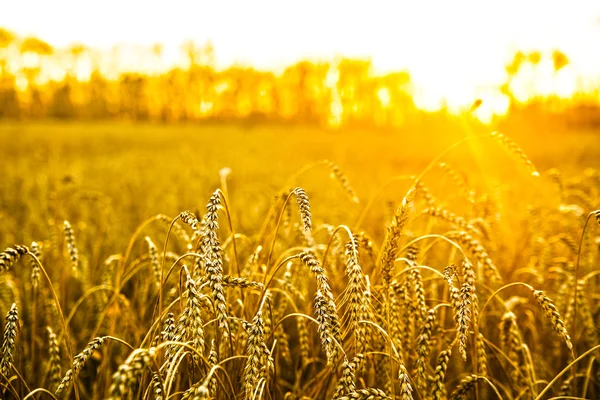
(149, 169)
(107, 179)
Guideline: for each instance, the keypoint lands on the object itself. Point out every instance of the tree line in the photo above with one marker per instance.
(344, 92)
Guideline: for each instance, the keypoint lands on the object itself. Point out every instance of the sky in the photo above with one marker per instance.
(453, 49)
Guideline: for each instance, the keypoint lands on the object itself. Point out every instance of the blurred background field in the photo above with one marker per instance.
(128, 171)
(110, 176)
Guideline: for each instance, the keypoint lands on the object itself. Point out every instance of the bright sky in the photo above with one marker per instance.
(453, 49)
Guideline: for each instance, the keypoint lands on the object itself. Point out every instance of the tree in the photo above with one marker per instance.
(559, 59)
(40, 50)
(6, 39)
(515, 65)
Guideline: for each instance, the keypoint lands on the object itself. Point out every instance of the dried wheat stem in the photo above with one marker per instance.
(363, 332)
(464, 387)
(125, 379)
(482, 365)
(439, 389)
(213, 359)
(8, 343)
(242, 283)
(304, 205)
(214, 262)
(303, 339)
(154, 259)
(256, 367)
(11, 255)
(78, 362)
(464, 318)
(190, 324)
(53, 359)
(515, 149)
(157, 386)
(355, 287)
(553, 315)
(424, 348)
(366, 394)
(346, 383)
(405, 387)
(326, 325)
(392, 240)
(189, 218)
(71, 245)
(35, 268)
(337, 173)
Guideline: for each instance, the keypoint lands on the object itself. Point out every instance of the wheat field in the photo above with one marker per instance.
(269, 262)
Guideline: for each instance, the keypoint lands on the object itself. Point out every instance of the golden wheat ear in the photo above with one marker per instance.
(514, 148)
(11, 328)
(71, 245)
(11, 255)
(341, 177)
(304, 206)
(78, 362)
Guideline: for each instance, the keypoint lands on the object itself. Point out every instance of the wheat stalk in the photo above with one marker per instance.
(157, 387)
(394, 232)
(553, 315)
(346, 383)
(71, 245)
(355, 287)
(464, 386)
(482, 365)
(214, 263)
(154, 260)
(53, 359)
(304, 205)
(255, 368)
(35, 267)
(11, 255)
(190, 326)
(326, 320)
(423, 347)
(337, 173)
(515, 149)
(366, 394)
(405, 387)
(8, 343)
(213, 359)
(78, 362)
(125, 379)
(242, 283)
(439, 389)
(189, 218)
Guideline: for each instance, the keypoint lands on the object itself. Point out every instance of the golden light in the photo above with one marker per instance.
(495, 104)
(454, 52)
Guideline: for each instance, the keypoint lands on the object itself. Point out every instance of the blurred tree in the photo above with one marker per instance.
(534, 57)
(6, 39)
(132, 92)
(559, 59)
(301, 92)
(356, 93)
(394, 100)
(34, 51)
(98, 90)
(9, 101)
(61, 105)
(346, 92)
(515, 64)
